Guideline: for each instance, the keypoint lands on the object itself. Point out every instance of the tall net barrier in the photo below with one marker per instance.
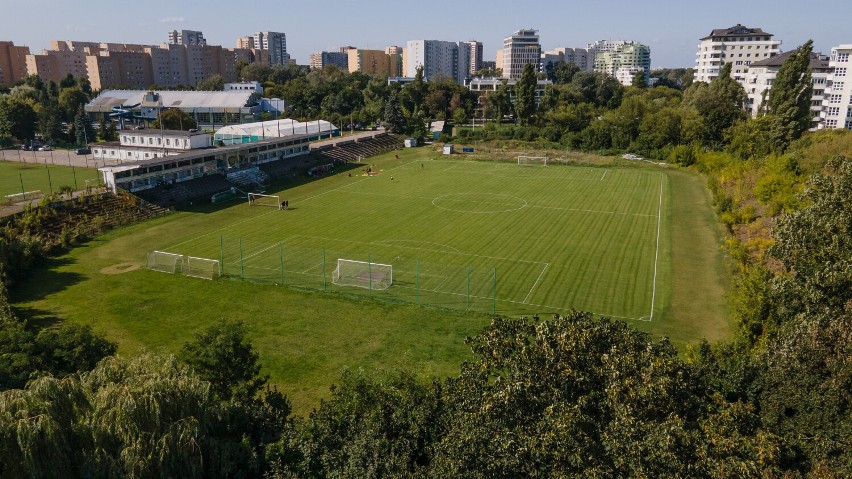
(385, 274)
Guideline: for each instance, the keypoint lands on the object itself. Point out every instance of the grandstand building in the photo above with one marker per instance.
(136, 145)
(221, 162)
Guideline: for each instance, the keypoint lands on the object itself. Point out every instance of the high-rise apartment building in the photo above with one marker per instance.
(438, 58)
(837, 100)
(13, 63)
(374, 62)
(186, 37)
(275, 43)
(320, 60)
(246, 42)
(738, 45)
(621, 59)
(520, 49)
(761, 75)
(582, 57)
(475, 53)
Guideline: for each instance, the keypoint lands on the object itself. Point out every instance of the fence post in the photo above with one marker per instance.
(73, 172)
(221, 255)
(281, 260)
(468, 286)
(49, 183)
(23, 191)
(494, 292)
(242, 264)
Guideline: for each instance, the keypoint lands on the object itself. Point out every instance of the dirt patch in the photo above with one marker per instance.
(120, 268)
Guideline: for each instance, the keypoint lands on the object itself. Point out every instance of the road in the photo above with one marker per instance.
(53, 157)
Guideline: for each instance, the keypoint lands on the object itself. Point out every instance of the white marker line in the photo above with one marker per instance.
(589, 211)
(536, 282)
(657, 254)
(603, 176)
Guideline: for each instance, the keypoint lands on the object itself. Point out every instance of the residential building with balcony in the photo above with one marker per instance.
(738, 45)
(761, 76)
(186, 37)
(837, 99)
(374, 62)
(438, 58)
(320, 60)
(13, 63)
(519, 50)
(621, 59)
(275, 43)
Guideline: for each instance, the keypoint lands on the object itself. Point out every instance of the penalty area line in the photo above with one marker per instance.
(657, 253)
(546, 265)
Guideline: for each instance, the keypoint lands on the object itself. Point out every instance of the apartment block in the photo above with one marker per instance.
(520, 49)
(438, 58)
(582, 57)
(374, 62)
(761, 76)
(837, 99)
(275, 44)
(320, 60)
(186, 37)
(621, 59)
(475, 52)
(13, 63)
(246, 42)
(738, 45)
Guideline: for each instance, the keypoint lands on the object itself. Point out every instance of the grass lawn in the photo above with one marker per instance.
(18, 177)
(469, 237)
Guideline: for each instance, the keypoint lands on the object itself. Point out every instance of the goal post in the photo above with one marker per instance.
(532, 161)
(165, 262)
(362, 274)
(259, 199)
(202, 268)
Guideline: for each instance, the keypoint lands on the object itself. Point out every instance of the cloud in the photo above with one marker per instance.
(172, 20)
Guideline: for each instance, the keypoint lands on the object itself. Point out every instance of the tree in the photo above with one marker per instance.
(525, 106)
(83, 128)
(50, 122)
(175, 119)
(393, 118)
(212, 83)
(70, 101)
(789, 100)
(721, 104)
(17, 119)
(639, 80)
(222, 355)
(256, 71)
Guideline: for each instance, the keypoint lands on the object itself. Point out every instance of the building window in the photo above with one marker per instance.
(840, 72)
(849, 124)
(835, 99)
(168, 142)
(831, 123)
(833, 111)
(838, 85)
(842, 57)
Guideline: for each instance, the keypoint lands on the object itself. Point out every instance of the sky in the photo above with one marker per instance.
(671, 28)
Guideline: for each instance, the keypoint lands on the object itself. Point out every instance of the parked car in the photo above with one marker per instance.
(25, 147)
(82, 151)
(45, 148)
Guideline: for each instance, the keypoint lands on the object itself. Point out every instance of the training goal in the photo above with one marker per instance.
(532, 160)
(258, 199)
(362, 274)
(165, 262)
(201, 267)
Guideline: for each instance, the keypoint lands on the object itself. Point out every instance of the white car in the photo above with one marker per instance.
(45, 148)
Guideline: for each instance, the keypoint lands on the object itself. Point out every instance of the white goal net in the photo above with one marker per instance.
(532, 160)
(201, 267)
(362, 274)
(258, 199)
(165, 262)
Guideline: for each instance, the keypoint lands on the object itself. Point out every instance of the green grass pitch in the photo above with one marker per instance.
(638, 243)
(18, 177)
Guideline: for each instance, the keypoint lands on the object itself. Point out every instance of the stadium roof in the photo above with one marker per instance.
(274, 129)
(212, 100)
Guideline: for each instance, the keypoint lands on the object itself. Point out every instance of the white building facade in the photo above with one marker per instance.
(186, 37)
(738, 45)
(137, 145)
(837, 101)
(276, 45)
(761, 76)
(519, 50)
(438, 58)
(621, 59)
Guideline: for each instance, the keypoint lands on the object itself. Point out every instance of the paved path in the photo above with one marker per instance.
(346, 139)
(53, 157)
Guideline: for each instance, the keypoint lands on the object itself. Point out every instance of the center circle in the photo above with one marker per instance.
(479, 202)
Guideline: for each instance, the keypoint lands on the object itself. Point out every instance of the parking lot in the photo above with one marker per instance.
(53, 157)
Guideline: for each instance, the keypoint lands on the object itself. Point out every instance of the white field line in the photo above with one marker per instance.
(657, 253)
(603, 175)
(264, 250)
(273, 211)
(536, 282)
(589, 211)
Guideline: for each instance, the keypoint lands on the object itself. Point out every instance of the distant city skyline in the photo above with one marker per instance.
(671, 28)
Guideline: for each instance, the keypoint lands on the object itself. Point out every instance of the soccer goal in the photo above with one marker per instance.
(165, 262)
(258, 199)
(532, 160)
(362, 274)
(201, 267)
